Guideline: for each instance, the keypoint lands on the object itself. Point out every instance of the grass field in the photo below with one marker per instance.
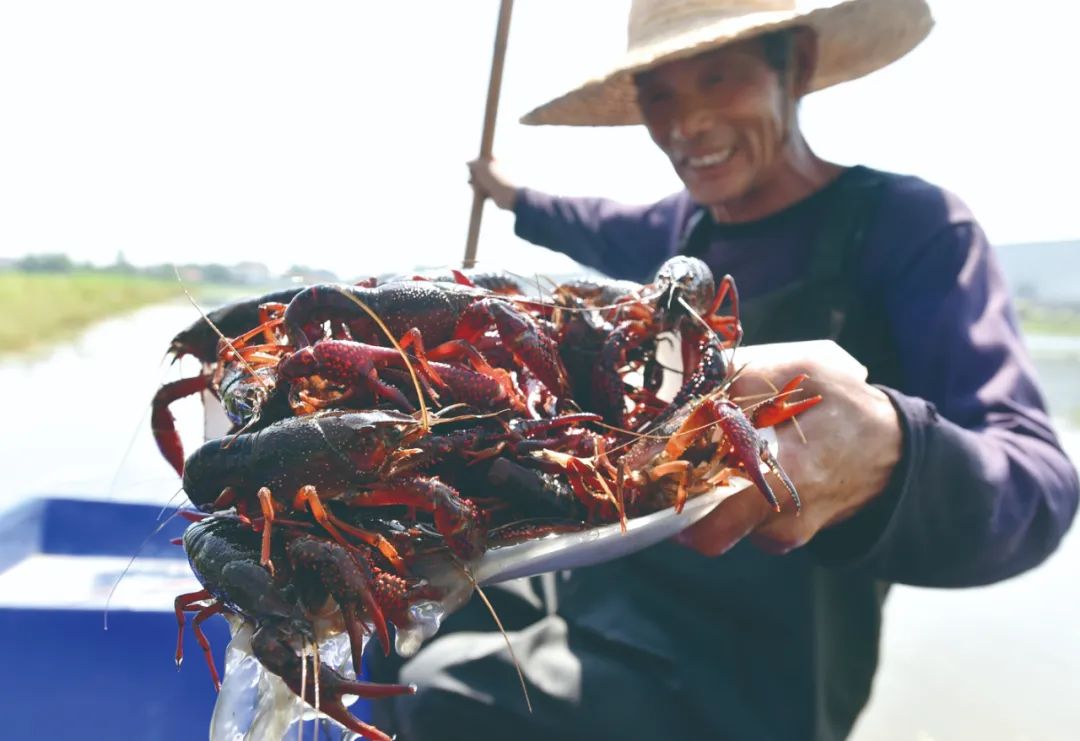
(1066, 326)
(1048, 320)
(40, 308)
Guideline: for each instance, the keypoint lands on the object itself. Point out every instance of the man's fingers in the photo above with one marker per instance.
(734, 519)
(778, 545)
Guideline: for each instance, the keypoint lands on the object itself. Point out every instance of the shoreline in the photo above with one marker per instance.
(41, 311)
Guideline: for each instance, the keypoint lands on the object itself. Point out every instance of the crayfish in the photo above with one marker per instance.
(224, 554)
(465, 414)
(364, 458)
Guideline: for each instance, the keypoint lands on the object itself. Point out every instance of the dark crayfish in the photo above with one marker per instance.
(363, 458)
(683, 299)
(224, 554)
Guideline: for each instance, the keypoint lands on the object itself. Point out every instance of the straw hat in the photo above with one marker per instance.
(855, 37)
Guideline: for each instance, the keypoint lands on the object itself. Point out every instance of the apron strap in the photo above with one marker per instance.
(697, 234)
(849, 211)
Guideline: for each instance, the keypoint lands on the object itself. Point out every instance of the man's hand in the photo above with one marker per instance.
(853, 441)
(488, 181)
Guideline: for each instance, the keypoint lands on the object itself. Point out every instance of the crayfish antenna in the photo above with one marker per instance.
(317, 659)
(169, 503)
(502, 630)
(131, 561)
(619, 495)
(303, 687)
(214, 327)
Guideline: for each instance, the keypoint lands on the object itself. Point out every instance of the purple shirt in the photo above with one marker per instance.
(983, 490)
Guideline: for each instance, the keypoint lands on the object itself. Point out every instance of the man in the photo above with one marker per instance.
(939, 469)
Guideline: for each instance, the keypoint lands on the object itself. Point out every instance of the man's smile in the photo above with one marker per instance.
(709, 159)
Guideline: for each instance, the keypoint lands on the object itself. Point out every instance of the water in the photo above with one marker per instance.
(1057, 360)
(993, 663)
(997, 663)
(76, 418)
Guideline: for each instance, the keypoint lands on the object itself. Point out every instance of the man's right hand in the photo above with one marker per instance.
(489, 182)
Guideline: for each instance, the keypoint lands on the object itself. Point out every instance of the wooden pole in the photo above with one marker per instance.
(490, 112)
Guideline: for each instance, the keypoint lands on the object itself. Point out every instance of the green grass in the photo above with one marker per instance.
(40, 308)
(1048, 320)
(1063, 326)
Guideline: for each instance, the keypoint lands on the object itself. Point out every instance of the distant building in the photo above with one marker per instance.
(251, 273)
(307, 276)
(190, 273)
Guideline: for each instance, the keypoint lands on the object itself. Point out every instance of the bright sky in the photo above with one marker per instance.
(334, 134)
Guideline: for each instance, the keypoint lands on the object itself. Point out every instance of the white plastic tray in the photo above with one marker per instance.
(598, 544)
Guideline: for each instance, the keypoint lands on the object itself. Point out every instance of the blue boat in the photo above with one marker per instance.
(64, 674)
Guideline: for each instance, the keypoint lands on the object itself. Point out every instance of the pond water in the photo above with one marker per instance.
(996, 663)
(77, 416)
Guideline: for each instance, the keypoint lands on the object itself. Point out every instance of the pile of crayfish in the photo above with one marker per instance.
(379, 423)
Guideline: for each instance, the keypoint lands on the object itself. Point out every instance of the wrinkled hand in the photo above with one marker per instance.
(853, 441)
(486, 180)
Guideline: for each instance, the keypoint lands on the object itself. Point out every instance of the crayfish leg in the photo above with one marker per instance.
(415, 339)
(188, 603)
(266, 504)
(590, 487)
(204, 642)
(182, 604)
(682, 469)
(456, 518)
(460, 350)
(728, 326)
(309, 495)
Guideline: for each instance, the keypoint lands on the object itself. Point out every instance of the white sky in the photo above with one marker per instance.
(334, 134)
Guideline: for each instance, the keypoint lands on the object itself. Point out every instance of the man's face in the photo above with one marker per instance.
(721, 117)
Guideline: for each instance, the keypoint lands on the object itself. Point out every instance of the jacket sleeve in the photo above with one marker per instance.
(983, 490)
(619, 240)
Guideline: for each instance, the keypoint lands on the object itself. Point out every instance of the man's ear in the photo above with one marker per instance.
(804, 57)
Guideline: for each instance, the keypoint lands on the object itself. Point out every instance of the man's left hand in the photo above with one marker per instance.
(853, 442)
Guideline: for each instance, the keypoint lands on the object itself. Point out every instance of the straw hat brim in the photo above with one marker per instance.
(855, 38)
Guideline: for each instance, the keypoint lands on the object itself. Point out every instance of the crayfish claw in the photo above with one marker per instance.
(774, 466)
(271, 649)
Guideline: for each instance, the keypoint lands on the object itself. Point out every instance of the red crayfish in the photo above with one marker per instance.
(461, 414)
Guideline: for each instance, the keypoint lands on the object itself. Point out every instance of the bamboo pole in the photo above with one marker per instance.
(488, 136)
